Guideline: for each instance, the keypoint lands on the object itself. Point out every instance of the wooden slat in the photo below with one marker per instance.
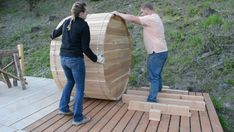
(193, 105)
(124, 121)
(164, 123)
(131, 126)
(166, 90)
(65, 119)
(91, 115)
(167, 95)
(100, 124)
(31, 99)
(174, 124)
(97, 117)
(109, 33)
(48, 123)
(195, 122)
(26, 111)
(204, 118)
(115, 119)
(68, 124)
(216, 126)
(21, 124)
(184, 124)
(165, 108)
(142, 126)
(154, 115)
(153, 126)
(42, 120)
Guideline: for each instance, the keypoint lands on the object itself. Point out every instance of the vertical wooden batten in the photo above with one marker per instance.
(21, 55)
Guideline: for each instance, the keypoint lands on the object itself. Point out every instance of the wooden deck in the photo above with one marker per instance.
(114, 116)
(19, 108)
(35, 109)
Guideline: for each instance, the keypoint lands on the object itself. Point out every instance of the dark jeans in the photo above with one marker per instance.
(74, 69)
(155, 65)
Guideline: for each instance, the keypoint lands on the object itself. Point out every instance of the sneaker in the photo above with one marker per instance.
(69, 113)
(85, 120)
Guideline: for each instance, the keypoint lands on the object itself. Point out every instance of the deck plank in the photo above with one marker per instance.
(174, 124)
(153, 126)
(12, 95)
(164, 123)
(124, 121)
(114, 116)
(115, 119)
(195, 121)
(65, 119)
(97, 117)
(216, 126)
(34, 117)
(12, 118)
(134, 122)
(107, 117)
(23, 102)
(90, 114)
(184, 124)
(68, 124)
(204, 118)
(143, 123)
(39, 122)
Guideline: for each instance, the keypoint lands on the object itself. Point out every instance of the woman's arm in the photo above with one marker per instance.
(85, 40)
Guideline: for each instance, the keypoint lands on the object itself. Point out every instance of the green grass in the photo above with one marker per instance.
(213, 20)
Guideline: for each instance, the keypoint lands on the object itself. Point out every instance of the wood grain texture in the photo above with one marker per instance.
(109, 35)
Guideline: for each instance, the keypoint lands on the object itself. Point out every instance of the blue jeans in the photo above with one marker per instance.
(155, 65)
(74, 69)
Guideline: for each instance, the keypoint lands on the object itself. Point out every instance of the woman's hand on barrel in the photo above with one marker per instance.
(100, 59)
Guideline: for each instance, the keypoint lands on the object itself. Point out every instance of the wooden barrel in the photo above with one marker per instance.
(109, 35)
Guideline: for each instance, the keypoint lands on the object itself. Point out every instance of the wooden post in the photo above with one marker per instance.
(19, 72)
(21, 55)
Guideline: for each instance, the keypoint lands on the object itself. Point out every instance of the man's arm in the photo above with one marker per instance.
(128, 17)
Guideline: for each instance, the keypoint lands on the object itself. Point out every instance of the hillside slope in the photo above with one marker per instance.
(200, 37)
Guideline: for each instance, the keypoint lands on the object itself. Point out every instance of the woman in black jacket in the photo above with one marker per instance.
(75, 41)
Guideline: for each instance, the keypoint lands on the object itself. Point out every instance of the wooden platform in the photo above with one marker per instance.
(114, 116)
(20, 108)
(35, 109)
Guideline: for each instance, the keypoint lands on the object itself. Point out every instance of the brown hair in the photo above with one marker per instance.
(147, 5)
(76, 9)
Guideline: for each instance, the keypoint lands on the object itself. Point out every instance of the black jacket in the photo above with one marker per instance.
(75, 41)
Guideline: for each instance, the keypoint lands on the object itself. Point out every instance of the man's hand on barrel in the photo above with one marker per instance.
(115, 13)
(100, 59)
